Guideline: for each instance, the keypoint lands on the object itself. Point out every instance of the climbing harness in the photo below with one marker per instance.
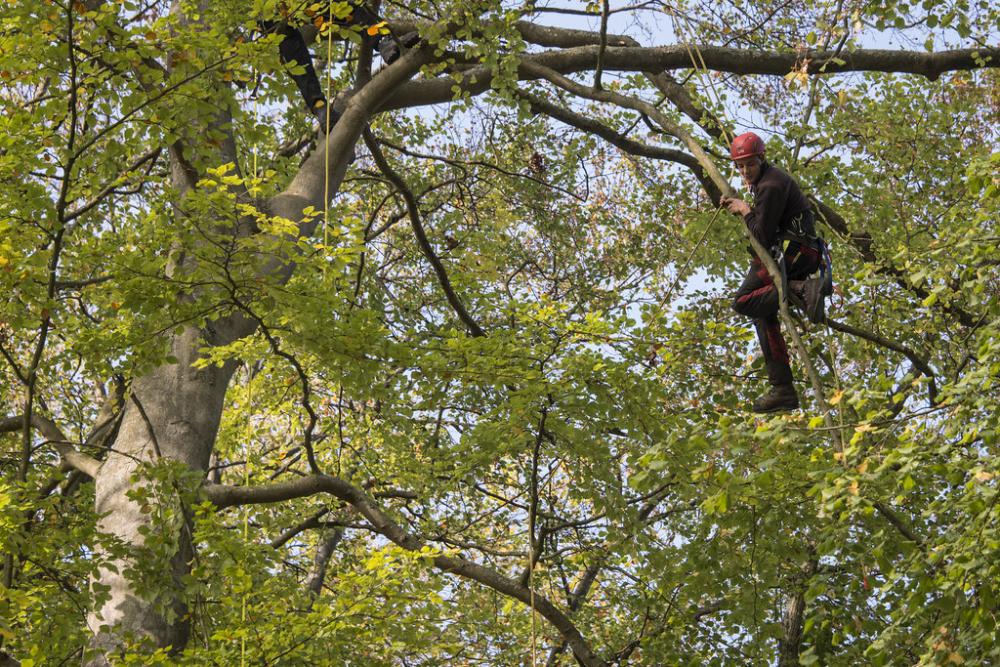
(783, 299)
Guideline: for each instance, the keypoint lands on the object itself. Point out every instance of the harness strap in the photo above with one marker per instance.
(797, 230)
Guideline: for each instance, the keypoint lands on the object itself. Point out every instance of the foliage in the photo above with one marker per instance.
(605, 409)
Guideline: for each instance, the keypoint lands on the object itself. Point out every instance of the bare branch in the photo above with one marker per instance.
(313, 521)
(630, 146)
(418, 231)
(638, 105)
(918, 362)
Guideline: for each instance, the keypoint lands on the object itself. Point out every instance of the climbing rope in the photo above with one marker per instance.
(725, 135)
(531, 589)
(246, 483)
(324, 131)
(701, 69)
(246, 443)
(687, 262)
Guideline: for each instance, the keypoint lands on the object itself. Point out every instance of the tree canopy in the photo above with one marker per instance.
(477, 396)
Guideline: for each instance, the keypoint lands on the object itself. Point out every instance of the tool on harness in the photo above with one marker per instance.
(808, 294)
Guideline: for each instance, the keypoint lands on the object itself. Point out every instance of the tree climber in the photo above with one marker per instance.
(294, 52)
(780, 212)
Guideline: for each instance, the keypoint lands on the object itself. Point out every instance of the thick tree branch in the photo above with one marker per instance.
(576, 600)
(638, 105)
(664, 82)
(71, 458)
(321, 559)
(228, 496)
(313, 521)
(479, 79)
(898, 523)
(793, 620)
(918, 362)
(630, 146)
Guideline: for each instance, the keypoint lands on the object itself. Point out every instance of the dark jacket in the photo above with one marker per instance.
(777, 201)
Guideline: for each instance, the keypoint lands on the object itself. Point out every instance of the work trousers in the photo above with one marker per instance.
(757, 298)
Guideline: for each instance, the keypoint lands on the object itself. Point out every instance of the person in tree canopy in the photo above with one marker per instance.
(294, 52)
(780, 212)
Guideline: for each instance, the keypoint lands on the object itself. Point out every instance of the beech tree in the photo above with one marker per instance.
(477, 396)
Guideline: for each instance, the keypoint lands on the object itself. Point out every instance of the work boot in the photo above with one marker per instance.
(807, 296)
(781, 398)
(815, 300)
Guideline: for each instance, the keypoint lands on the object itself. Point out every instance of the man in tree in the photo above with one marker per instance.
(780, 212)
(294, 52)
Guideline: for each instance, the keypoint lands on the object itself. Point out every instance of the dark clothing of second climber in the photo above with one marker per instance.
(778, 205)
(779, 208)
(294, 51)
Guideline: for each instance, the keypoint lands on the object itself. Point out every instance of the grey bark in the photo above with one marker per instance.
(736, 61)
(175, 414)
(176, 409)
(793, 618)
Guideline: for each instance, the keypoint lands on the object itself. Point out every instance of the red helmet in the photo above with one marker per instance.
(746, 145)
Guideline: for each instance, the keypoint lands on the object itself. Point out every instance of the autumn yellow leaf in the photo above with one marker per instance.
(375, 29)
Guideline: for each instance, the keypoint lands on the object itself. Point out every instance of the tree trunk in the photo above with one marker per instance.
(174, 413)
(793, 617)
(791, 622)
(324, 551)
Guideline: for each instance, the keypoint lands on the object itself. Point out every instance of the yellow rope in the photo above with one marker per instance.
(246, 445)
(782, 305)
(687, 262)
(531, 589)
(246, 483)
(725, 135)
(325, 130)
(701, 70)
